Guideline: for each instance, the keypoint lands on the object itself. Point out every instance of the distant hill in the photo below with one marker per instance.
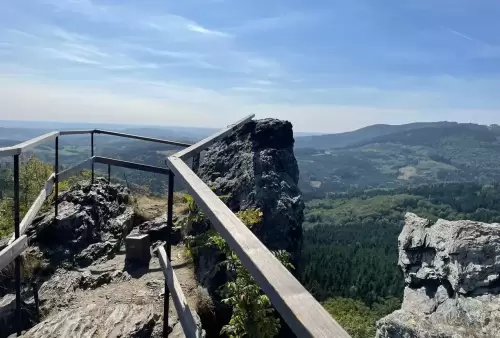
(410, 155)
(341, 140)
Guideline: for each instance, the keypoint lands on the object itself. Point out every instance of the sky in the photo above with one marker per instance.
(324, 65)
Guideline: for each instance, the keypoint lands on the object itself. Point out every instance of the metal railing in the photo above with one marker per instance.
(303, 314)
(19, 241)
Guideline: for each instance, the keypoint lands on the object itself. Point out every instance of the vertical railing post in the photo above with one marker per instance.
(56, 180)
(92, 154)
(109, 174)
(170, 214)
(17, 234)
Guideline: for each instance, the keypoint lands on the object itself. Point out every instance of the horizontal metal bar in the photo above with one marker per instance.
(305, 316)
(75, 132)
(13, 250)
(63, 175)
(36, 141)
(187, 153)
(131, 165)
(143, 138)
(181, 306)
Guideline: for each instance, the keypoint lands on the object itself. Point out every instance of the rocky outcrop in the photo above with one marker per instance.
(99, 320)
(91, 223)
(255, 167)
(452, 277)
(157, 229)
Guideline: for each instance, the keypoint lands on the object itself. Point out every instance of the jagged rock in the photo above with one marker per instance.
(98, 320)
(157, 230)
(452, 276)
(8, 320)
(255, 167)
(59, 290)
(92, 223)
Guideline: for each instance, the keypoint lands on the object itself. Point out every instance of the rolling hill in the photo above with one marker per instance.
(419, 153)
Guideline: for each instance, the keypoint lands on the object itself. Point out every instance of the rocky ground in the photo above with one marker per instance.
(87, 287)
(108, 300)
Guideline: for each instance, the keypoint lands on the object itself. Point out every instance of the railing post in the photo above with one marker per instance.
(92, 154)
(170, 214)
(56, 180)
(17, 234)
(109, 174)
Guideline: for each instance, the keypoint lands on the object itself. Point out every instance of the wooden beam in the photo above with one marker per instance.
(131, 165)
(143, 138)
(13, 250)
(10, 151)
(181, 306)
(37, 204)
(63, 175)
(187, 153)
(305, 316)
(36, 141)
(75, 132)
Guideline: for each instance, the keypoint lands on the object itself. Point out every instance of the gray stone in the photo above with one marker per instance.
(99, 320)
(451, 271)
(92, 222)
(157, 230)
(7, 315)
(137, 248)
(255, 167)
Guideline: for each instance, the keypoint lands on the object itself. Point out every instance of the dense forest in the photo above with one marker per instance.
(350, 252)
(432, 153)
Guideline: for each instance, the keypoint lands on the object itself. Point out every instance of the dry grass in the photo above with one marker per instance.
(150, 207)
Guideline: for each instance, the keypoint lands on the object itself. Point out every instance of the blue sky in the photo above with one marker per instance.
(325, 65)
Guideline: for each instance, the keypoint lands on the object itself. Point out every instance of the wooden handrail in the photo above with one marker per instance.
(13, 250)
(181, 306)
(303, 314)
(196, 148)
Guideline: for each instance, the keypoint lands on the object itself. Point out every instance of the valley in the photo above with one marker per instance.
(357, 187)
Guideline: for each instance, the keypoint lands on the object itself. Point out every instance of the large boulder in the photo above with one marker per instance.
(452, 277)
(255, 167)
(91, 223)
(252, 168)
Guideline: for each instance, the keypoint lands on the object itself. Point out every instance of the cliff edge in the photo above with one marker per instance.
(452, 277)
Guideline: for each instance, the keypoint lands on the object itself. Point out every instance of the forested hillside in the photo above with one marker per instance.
(424, 155)
(350, 244)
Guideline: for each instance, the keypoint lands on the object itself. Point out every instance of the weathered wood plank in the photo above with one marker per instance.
(143, 138)
(305, 316)
(13, 250)
(65, 174)
(131, 165)
(37, 140)
(207, 142)
(181, 306)
(10, 151)
(37, 204)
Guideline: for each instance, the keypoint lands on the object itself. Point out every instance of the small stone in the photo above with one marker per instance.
(137, 248)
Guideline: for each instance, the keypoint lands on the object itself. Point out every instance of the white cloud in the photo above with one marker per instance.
(205, 31)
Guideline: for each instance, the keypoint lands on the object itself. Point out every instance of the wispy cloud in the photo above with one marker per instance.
(202, 30)
(467, 37)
